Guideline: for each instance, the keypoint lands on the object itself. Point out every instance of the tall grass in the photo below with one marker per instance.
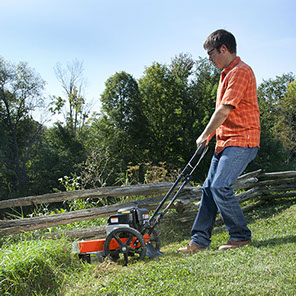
(34, 267)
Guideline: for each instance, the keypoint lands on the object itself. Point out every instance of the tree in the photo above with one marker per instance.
(20, 94)
(156, 119)
(162, 100)
(59, 154)
(285, 127)
(72, 82)
(271, 94)
(179, 100)
(122, 126)
(200, 104)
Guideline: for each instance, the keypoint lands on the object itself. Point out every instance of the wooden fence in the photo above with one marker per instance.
(255, 185)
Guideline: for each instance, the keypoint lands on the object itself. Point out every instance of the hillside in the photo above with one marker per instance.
(266, 267)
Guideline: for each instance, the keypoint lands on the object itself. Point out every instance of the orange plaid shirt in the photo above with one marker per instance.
(237, 87)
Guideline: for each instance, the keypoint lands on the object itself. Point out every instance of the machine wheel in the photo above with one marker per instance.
(124, 244)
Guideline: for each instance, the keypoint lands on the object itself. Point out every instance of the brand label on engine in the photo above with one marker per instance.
(114, 220)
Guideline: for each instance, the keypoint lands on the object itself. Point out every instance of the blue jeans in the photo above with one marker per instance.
(218, 195)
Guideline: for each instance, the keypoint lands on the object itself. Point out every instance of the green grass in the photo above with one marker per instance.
(265, 267)
(35, 267)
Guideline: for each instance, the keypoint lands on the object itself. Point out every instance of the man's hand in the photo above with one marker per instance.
(200, 140)
(218, 117)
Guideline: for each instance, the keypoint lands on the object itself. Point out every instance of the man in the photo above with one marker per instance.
(237, 127)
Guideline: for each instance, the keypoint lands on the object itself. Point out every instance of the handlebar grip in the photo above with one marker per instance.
(201, 147)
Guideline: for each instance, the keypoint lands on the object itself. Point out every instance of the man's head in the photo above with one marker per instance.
(219, 38)
(221, 48)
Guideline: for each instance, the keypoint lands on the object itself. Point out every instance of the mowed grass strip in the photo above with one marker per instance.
(266, 267)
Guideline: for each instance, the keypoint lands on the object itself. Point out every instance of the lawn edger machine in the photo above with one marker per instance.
(131, 233)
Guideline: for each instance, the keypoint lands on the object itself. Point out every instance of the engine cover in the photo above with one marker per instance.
(132, 217)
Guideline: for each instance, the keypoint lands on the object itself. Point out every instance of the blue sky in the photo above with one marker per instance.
(110, 36)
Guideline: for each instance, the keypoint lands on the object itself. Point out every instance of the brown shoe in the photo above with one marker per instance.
(232, 244)
(191, 247)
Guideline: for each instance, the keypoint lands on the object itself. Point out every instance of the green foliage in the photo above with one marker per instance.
(121, 100)
(152, 120)
(35, 267)
(270, 93)
(70, 183)
(145, 173)
(285, 127)
(72, 82)
(163, 108)
(58, 153)
(73, 183)
(123, 125)
(177, 103)
(94, 171)
(157, 118)
(276, 123)
(20, 94)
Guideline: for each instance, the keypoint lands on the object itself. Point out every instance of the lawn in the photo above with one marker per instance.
(265, 267)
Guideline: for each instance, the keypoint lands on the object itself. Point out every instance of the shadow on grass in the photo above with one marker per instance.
(269, 209)
(171, 231)
(274, 241)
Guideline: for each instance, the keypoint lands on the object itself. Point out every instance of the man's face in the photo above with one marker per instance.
(216, 56)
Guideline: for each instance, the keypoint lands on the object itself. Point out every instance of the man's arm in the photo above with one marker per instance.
(218, 117)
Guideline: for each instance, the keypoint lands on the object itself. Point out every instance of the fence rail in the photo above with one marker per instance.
(147, 189)
(260, 185)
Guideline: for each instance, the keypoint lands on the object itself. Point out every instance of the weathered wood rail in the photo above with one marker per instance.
(148, 189)
(260, 185)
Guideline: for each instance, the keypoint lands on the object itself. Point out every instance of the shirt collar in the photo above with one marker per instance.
(231, 65)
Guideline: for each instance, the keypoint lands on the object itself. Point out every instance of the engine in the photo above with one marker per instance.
(128, 217)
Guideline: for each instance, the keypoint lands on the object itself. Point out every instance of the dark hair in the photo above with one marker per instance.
(219, 38)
